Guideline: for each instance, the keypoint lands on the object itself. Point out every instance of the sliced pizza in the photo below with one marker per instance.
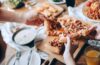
(75, 27)
(68, 26)
(50, 11)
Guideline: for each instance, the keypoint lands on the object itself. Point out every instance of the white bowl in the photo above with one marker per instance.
(24, 36)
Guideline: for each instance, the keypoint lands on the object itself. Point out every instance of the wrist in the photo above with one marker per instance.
(68, 59)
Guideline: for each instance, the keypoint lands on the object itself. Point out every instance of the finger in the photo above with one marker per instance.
(62, 38)
(68, 41)
(67, 45)
(93, 28)
(97, 37)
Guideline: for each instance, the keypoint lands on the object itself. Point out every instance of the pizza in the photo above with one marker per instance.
(64, 26)
(49, 10)
(36, 20)
(59, 43)
(68, 26)
(75, 27)
(92, 9)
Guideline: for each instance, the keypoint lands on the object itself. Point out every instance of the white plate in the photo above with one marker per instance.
(78, 13)
(35, 59)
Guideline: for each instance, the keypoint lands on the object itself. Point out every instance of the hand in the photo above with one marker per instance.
(67, 45)
(33, 18)
(98, 32)
(67, 55)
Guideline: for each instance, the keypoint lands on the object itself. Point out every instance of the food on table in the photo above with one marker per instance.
(56, 43)
(53, 28)
(75, 27)
(49, 10)
(59, 42)
(92, 9)
(37, 20)
(16, 3)
(68, 26)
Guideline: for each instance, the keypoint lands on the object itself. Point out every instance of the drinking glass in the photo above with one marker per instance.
(92, 55)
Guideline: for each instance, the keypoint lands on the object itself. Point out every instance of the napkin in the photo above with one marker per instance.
(6, 32)
(77, 12)
(26, 58)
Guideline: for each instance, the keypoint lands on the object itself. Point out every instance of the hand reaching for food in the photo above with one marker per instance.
(67, 55)
(98, 32)
(95, 34)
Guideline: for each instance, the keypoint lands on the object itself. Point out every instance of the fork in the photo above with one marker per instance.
(18, 55)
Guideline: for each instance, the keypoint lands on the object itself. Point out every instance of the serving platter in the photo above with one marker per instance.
(54, 51)
(50, 11)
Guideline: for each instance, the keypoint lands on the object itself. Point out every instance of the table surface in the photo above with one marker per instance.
(79, 60)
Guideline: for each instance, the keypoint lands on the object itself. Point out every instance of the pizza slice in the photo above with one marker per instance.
(50, 11)
(75, 27)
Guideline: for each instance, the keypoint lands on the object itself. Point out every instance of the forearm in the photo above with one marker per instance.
(69, 60)
(9, 16)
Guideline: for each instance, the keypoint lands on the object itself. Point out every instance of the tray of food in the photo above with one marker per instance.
(54, 43)
(50, 11)
(91, 9)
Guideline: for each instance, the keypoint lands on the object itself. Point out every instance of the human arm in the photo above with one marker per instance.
(67, 55)
(6, 15)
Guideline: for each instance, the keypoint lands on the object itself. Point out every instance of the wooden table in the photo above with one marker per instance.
(7, 52)
(79, 61)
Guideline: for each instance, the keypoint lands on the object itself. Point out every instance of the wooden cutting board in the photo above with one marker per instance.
(54, 51)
